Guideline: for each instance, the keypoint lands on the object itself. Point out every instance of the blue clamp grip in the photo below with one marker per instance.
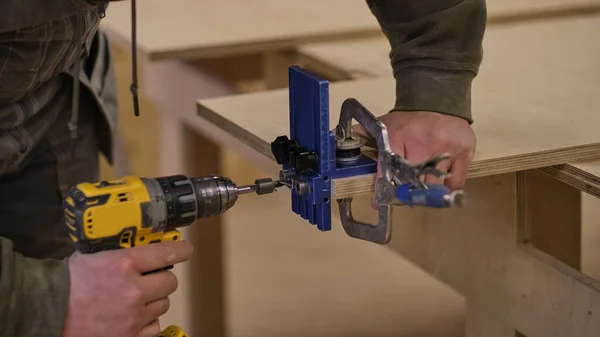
(434, 196)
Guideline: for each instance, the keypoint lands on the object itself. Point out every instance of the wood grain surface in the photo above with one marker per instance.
(524, 116)
(208, 28)
(203, 28)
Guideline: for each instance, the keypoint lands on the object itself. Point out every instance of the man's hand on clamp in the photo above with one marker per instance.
(443, 146)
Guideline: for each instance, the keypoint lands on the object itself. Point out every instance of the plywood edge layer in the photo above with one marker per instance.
(236, 131)
(352, 186)
(553, 12)
(482, 168)
(328, 69)
(312, 54)
(582, 175)
(192, 52)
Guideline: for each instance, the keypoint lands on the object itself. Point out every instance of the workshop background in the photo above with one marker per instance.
(282, 277)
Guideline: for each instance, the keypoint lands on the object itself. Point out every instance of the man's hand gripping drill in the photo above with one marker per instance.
(120, 291)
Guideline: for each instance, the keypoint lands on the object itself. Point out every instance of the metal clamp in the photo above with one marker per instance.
(380, 233)
(400, 180)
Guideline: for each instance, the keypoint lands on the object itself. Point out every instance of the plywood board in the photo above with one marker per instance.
(590, 168)
(206, 28)
(339, 60)
(584, 175)
(203, 28)
(524, 117)
(370, 57)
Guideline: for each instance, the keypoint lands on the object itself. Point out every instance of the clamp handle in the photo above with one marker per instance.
(433, 196)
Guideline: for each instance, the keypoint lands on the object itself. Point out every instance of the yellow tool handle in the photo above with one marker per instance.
(173, 331)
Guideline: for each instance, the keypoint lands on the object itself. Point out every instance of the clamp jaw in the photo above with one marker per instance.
(313, 156)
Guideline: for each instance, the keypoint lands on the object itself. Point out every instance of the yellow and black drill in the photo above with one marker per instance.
(172, 331)
(134, 211)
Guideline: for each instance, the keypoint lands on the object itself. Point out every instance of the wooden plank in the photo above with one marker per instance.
(344, 60)
(512, 285)
(557, 233)
(584, 175)
(556, 138)
(211, 28)
(341, 60)
(369, 58)
(513, 8)
(480, 251)
(490, 251)
(559, 126)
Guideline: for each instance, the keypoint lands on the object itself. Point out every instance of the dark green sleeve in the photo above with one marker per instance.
(436, 51)
(16, 14)
(34, 294)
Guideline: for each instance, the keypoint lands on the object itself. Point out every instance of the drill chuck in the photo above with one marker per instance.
(177, 201)
(215, 195)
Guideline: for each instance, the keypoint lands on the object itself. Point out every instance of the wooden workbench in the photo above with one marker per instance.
(199, 49)
(513, 251)
(342, 60)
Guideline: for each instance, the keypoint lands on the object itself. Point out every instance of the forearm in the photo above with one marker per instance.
(436, 51)
(16, 14)
(33, 294)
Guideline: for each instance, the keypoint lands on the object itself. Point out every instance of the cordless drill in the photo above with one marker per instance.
(172, 331)
(134, 211)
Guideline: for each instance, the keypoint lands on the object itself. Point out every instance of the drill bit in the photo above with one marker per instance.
(246, 189)
(260, 186)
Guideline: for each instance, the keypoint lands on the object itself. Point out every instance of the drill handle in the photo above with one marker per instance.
(169, 236)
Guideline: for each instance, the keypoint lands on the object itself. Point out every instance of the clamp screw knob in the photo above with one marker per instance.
(281, 148)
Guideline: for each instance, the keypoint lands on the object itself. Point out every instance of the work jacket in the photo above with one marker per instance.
(38, 48)
(436, 49)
